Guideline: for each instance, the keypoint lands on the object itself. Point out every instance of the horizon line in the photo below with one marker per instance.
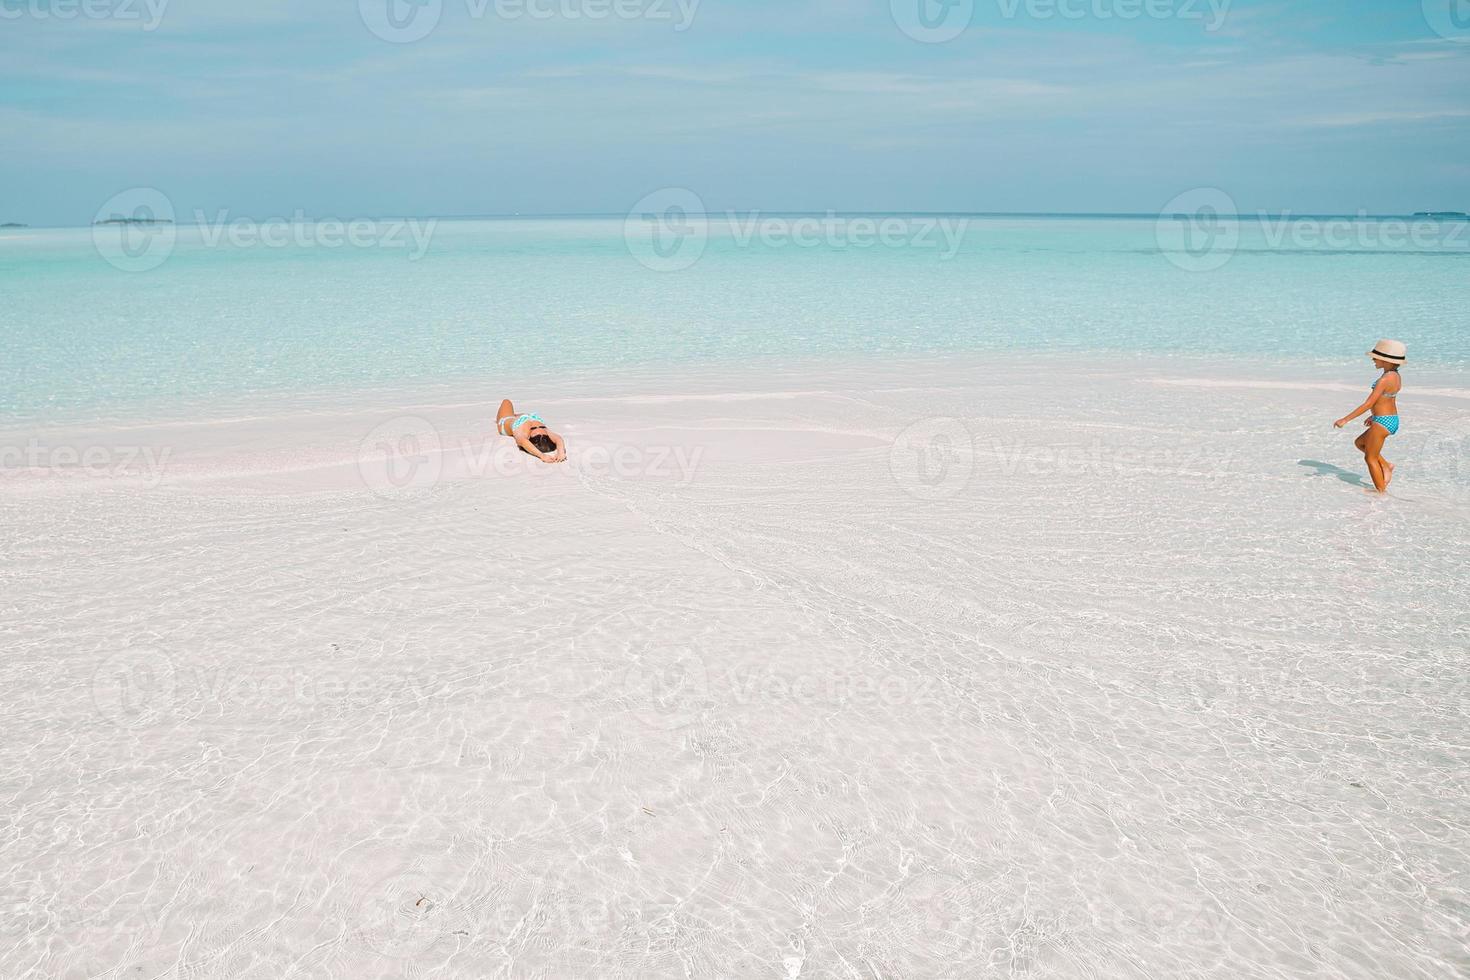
(747, 212)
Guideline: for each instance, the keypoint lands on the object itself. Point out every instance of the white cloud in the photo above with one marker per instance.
(1382, 117)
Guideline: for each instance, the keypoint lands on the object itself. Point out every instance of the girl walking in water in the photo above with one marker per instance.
(1383, 420)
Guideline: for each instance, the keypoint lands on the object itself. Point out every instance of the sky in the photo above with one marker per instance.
(361, 108)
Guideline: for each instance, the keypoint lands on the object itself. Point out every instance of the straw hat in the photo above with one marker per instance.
(1388, 350)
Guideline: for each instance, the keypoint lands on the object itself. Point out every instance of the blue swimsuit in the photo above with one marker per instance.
(1389, 422)
(509, 427)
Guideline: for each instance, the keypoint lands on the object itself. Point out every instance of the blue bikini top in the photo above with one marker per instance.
(1394, 394)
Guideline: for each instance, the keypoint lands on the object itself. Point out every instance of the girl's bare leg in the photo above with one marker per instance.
(1372, 446)
(506, 408)
(1361, 443)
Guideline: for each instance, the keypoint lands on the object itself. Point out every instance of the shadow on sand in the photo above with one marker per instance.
(1329, 469)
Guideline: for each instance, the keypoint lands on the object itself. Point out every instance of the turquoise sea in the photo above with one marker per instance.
(90, 329)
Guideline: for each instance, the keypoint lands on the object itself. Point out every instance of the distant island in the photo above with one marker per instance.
(1441, 214)
(13, 224)
(135, 221)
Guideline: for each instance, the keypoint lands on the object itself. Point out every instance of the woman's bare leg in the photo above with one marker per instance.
(1372, 447)
(506, 408)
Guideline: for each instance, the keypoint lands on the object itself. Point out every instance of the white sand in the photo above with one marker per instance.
(908, 670)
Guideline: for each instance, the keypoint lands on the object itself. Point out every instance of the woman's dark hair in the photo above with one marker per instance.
(543, 442)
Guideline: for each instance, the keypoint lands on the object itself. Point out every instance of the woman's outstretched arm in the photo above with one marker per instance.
(560, 455)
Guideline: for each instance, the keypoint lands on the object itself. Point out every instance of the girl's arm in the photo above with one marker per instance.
(525, 443)
(561, 448)
(1380, 390)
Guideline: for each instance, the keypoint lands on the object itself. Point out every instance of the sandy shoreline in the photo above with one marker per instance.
(270, 435)
(1039, 669)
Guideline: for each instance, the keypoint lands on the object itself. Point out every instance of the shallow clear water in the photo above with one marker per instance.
(223, 317)
(916, 670)
(818, 658)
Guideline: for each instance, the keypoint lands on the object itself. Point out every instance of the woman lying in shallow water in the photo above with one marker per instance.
(530, 433)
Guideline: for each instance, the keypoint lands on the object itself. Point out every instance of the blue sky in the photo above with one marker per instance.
(267, 107)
